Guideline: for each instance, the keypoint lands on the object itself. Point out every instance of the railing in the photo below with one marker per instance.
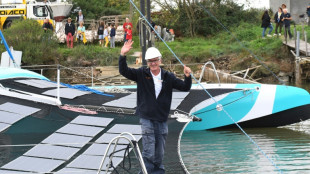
(134, 145)
(78, 70)
(214, 69)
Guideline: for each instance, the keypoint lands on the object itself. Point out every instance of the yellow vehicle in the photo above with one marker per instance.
(11, 10)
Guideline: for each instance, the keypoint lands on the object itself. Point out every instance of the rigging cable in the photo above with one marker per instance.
(218, 104)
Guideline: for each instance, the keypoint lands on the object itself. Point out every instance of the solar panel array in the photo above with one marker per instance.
(130, 101)
(67, 93)
(58, 147)
(90, 160)
(67, 141)
(37, 83)
(11, 113)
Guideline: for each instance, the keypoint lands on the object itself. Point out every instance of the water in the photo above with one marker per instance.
(230, 151)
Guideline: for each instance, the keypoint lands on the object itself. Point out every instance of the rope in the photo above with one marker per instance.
(241, 44)
(218, 105)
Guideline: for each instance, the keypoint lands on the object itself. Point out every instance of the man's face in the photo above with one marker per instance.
(80, 13)
(154, 63)
(69, 20)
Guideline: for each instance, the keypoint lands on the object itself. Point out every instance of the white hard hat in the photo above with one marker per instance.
(152, 53)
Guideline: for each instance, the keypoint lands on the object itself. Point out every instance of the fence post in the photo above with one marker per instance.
(297, 62)
(92, 76)
(285, 34)
(295, 35)
(306, 41)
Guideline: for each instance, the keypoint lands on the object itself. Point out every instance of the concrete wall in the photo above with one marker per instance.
(295, 7)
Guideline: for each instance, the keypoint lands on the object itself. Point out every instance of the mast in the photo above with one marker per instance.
(143, 34)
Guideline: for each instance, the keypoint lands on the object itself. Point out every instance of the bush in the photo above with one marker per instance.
(37, 46)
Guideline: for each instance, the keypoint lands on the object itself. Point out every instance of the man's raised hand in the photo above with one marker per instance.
(126, 48)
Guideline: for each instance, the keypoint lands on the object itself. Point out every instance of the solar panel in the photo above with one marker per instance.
(53, 152)
(120, 128)
(92, 121)
(30, 83)
(99, 150)
(46, 84)
(180, 95)
(175, 103)
(82, 130)
(92, 162)
(32, 164)
(13, 172)
(68, 170)
(131, 96)
(106, 138)
(67, 140)
(38, 83)
(66, 93)
(18, 109)
(9, 118)
(4, 126)
(129, 101)
(122, 103)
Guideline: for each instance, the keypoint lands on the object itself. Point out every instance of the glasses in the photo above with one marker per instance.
(153, 61)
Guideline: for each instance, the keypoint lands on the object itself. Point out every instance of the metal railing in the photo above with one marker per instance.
(134, 145)
(214, 69)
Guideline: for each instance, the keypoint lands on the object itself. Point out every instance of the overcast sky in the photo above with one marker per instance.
(254, 3)
(247, 4)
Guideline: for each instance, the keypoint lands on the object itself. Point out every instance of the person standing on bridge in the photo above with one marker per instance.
(278, 20)
(287, 23)
(154, 95)
(266, 24)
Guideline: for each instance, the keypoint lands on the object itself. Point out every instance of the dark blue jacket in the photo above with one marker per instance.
(112, 32)
(148, 106)
(276, 18)
(48, 26)
(287, 22)
(69, 28)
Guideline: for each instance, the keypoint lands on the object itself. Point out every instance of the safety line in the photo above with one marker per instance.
(218, 105)
(242, 45)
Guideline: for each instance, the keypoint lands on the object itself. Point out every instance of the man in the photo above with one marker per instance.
(154, 95)
(47, 25)
(153, 32)
(308, 13)
(69, 31)
(287, 23)
(48, 30)
(79, 18)
(125, 27)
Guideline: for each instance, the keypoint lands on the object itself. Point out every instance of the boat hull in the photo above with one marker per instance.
(253, 106)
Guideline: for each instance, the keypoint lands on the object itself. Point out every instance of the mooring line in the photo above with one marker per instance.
(218, 105)
(242, 45)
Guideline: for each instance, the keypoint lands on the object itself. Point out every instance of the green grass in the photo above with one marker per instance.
(192, 50)
(201, 49)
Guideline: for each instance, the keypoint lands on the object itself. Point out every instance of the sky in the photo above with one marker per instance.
(247, 4)
(254, 3)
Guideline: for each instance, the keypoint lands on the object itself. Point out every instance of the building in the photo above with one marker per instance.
(295, 7)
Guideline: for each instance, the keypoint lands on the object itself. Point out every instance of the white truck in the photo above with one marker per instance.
(11, 10)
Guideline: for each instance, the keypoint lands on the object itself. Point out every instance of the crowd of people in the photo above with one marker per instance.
(281, 18)
(104, 31)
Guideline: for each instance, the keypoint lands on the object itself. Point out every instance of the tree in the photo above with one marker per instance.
(94, 9)
(191, 18)
(28, 36)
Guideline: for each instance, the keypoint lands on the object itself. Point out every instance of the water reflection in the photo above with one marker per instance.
(230, 151)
